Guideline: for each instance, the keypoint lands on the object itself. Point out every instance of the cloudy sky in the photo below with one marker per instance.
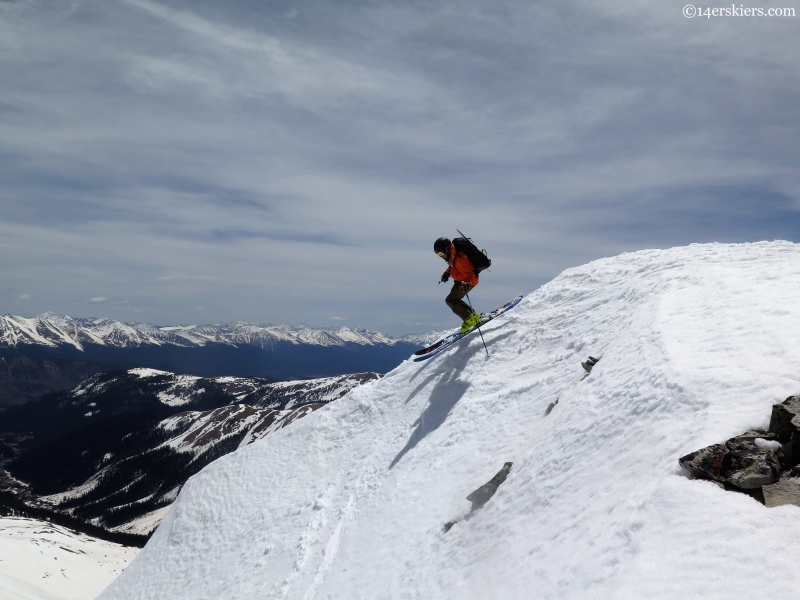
(182, 162)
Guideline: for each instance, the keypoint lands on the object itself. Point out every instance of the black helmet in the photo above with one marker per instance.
(441, 245)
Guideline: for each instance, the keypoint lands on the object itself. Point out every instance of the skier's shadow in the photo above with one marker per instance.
(444, 396)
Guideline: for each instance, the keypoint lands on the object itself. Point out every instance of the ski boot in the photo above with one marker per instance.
(472, 321)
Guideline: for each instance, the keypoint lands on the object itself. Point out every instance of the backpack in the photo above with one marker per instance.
(480, 262)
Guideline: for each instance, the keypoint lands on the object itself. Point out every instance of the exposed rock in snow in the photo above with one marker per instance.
(589, 363)
(697, 344)
(785, 422)
(484, 493)
(785, 491)
(737, 463)
(740, 462)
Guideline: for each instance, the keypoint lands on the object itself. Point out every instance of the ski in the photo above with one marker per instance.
(447, 341)
(454, 337)
(435, 345)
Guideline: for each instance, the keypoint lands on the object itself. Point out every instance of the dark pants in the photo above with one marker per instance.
(455, 300)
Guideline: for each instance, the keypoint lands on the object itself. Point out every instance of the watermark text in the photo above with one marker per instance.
(690, 11)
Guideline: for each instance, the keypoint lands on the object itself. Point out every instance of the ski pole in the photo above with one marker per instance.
(479, 327)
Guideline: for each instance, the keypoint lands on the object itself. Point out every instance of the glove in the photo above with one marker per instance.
(445, 277)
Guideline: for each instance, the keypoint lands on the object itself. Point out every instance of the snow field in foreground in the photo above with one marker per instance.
(42, 561)
(696, 344)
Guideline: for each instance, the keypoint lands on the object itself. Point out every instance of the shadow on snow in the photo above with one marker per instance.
(449, 389)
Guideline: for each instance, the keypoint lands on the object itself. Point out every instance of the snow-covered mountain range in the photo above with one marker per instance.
(367, 497)
(238, 349)
(52, 330)
(115, 450)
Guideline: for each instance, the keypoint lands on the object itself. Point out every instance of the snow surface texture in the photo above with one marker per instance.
(696, 344)
(42, 561)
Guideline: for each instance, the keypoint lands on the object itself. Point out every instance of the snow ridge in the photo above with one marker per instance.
(696, 344)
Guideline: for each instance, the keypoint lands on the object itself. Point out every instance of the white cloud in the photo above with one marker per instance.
(249, 63)
(338, 319)
(24, 297)
(98, 300)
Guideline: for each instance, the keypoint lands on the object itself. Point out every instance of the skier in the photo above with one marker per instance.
(461, 269)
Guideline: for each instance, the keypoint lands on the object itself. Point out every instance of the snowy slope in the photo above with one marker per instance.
(696, 344)
(116, 449)
(42, 561)
(289, 394)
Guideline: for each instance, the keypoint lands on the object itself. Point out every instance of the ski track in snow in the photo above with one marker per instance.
(696, 344)
(331, 548)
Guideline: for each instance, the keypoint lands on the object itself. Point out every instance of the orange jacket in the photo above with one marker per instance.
(461, 268)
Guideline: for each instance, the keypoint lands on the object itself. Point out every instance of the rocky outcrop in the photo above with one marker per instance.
(739, 462)
(785, 423)
(786, 491)
(754, 461)
(482, 495)
(589, 363)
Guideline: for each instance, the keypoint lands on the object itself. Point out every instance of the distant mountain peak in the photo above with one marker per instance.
(55, 330)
